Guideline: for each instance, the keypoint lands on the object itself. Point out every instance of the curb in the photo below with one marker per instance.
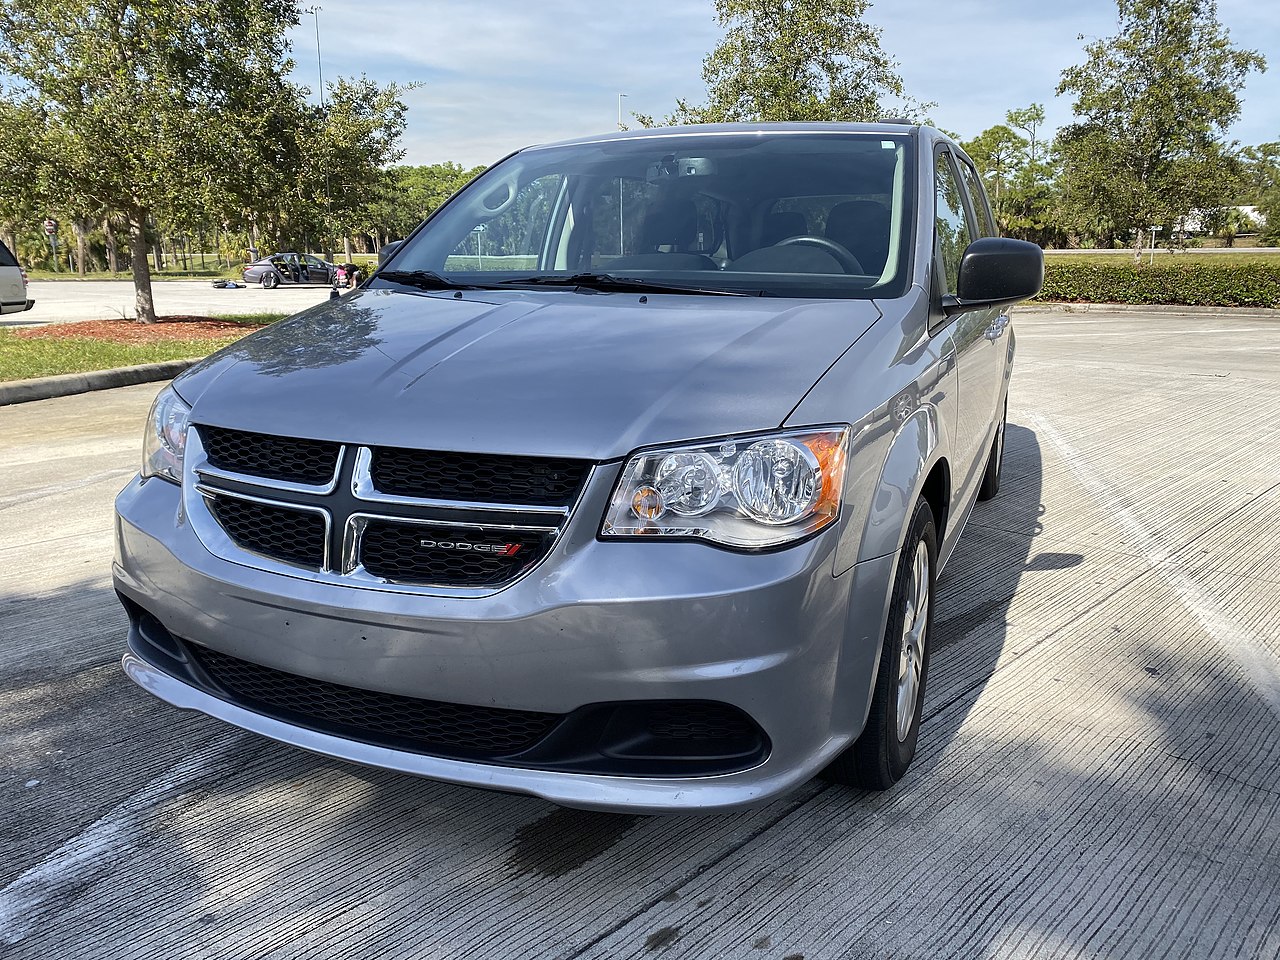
(1247, 313)
(46, 388)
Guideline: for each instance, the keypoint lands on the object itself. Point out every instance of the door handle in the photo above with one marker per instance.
(997, 327)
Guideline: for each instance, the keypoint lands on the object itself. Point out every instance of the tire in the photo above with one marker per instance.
(269, 281)
(880, 756)
(995, 460)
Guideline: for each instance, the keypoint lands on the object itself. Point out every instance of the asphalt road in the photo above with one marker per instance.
(1097, 773)
(61, 301)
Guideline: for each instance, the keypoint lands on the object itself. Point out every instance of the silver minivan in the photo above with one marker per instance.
(13, 284)
(625, 481)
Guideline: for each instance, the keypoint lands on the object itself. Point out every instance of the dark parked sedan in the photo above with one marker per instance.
(288, 268)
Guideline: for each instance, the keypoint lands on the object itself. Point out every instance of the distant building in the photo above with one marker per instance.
(1194, 224)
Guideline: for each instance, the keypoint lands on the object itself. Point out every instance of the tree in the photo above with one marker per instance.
(1262, 187)
(148, 109)
(1153, 105)
(413, 193)
(795, 60)
(1018, 180)
(18, 158)
(1028, 120)
(345, 150)
(999, 154)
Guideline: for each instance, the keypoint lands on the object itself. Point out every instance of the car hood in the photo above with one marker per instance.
(526, 372)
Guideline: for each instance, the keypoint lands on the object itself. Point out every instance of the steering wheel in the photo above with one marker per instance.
(848, 262)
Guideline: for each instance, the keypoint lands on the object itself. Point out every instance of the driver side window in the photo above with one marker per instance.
(952, 230)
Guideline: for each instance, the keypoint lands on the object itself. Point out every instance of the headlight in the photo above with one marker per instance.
(165, 440)
(744, 492)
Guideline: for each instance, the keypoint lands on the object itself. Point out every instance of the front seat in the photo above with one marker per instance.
(668, 240)
(862, 228)
(670, 227)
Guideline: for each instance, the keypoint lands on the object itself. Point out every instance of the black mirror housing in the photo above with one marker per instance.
(388, 249)
(996, 271)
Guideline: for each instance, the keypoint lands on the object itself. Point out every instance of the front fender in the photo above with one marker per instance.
(878, 528)
(910, 459)
(913, 452)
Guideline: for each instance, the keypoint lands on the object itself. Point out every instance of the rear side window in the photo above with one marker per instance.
(986, 224)
(6, 258)
(953, 230)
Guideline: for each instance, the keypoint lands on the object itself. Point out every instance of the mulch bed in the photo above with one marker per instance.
(178, 327)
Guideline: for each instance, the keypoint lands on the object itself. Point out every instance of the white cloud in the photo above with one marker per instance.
(505, 74)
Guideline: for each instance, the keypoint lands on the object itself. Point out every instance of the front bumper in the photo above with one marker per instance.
(597, 622)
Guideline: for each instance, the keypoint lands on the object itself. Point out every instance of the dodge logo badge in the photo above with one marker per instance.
(461, 546)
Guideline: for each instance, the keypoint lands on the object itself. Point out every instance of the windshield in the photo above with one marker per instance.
(775, 214)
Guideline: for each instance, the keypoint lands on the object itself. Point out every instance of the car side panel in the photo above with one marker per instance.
(908, 380)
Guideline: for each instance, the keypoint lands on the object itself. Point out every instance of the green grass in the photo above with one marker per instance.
(24, 358)
(213, 271)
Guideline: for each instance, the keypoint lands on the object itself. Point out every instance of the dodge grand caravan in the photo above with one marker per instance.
(624, 482)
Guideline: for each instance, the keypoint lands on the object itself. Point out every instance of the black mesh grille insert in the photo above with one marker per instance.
(428, 726)
(483, 478)
(276, 458)
(294, 536)
(442, 556)
(699, 720)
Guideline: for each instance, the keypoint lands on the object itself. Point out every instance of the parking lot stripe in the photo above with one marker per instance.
(25, 901)
(1254, 660)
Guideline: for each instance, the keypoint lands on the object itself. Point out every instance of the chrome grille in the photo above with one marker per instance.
(380, 516)
(273, 458)
(283, 533)
(482, 478)
(414, 553)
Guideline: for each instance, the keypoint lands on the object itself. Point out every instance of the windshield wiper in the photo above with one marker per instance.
(609, 283)
(424, 280)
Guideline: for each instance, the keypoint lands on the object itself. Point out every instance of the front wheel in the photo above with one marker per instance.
(880, 756)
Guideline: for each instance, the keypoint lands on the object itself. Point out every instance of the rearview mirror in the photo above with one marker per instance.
(385, 253)
(996, 271)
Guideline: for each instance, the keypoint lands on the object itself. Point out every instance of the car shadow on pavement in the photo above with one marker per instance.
(980, 582)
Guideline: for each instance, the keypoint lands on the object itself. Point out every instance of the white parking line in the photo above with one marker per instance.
(24, 902)
(1260, 668)
(1142, 334)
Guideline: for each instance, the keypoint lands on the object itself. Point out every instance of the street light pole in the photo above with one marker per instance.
(620, 98)
(315, 12)
(328, 197)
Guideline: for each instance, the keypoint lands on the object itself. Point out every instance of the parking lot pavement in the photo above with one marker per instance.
(1097, 770)
(61, 301)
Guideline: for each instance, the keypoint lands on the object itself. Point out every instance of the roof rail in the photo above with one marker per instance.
(905, 121)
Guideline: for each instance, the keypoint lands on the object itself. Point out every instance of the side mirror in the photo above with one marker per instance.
(385, 253)
(995, 271)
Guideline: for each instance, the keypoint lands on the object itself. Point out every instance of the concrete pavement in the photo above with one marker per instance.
(62, 301)
(1096, 778)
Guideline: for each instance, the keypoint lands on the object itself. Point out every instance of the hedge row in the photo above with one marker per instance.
(1196, 284)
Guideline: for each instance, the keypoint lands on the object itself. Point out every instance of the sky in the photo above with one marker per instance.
(498, 75)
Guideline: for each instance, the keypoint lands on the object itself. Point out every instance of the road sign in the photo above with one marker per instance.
(51, 227)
